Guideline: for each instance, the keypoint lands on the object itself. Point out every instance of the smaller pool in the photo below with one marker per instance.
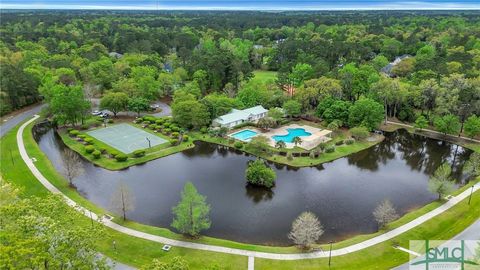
(292, 133)
(244, 135)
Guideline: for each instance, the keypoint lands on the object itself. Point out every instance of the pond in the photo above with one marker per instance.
(342, 193)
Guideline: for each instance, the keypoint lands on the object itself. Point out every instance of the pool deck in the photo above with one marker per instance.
(308, 142)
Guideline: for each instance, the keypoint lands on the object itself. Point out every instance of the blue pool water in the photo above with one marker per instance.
(292, 133)
(244, 135)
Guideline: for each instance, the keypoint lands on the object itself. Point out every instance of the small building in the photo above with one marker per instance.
(237, 117)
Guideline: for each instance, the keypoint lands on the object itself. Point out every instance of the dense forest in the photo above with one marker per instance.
(327, 62)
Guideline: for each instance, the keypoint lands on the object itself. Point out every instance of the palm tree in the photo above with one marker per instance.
(280, 144)
(297, 140)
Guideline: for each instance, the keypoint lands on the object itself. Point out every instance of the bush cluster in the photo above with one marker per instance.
(330, 149)
(121, 157)
(139, 153)
(89, 149)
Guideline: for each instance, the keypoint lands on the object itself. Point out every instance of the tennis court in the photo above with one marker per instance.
(126, 138)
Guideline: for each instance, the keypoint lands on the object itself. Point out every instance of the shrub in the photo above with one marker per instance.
(159, 122)
(359, 133)
(349, 141)
(121, 157)
(238, 145)
(152, 126)
(167, 131)
(339, 142)
(138, 120)
(175, 134)
(185, 138)
(85, 126)
(146, 123)
(74, 132)
(110, 121)
(203, 130)
(103, 150)
(114, 153)
(88, 140)
(166, 124)
(139, 153)
(96, 154)
(89, 149)
(330, 149)
(82, 136)
(322, 146)
(174, 128)
(173, 141)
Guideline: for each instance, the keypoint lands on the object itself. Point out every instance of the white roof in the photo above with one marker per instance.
(237, 115)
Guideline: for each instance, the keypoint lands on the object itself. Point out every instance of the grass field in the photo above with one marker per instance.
(264, 76)
(136, 252)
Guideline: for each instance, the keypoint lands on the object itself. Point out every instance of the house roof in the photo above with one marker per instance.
(237, 115)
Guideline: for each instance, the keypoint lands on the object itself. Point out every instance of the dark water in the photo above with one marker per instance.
(342, 193)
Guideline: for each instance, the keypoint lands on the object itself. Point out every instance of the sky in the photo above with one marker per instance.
(242, 4)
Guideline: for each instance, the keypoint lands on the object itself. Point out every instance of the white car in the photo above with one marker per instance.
(96, 112)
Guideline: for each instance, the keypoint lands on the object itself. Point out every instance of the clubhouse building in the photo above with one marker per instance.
(237, 117)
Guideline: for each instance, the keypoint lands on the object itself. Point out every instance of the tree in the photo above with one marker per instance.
(472, 126)
(339, 110)
(201, 77)
(275, 113)
(191, 213)
(138, 105)
(421, 122)
(266, 123)
(300, 73)
(68, 103)
(114, 102)
(190, 114)
(122, 200)
(292, 108)
(472, 166)
(297, 140)
(306, 230)
(366, 112)
(447, 124)
(440, 182)
(72, 165)
(258, 173)
(38, 233)
(280, 144)
(177, 263)
(385, 213)
(257, 144)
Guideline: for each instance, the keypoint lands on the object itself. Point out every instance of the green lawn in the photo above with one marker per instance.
(135, 251)
(264, 76)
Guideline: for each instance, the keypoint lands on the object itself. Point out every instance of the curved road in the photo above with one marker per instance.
(17, 119)
(274, 256)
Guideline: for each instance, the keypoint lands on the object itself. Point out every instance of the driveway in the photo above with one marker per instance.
(166, 110)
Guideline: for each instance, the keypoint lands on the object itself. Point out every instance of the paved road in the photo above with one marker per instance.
(470, 233)
(274, 256)
(12, 122)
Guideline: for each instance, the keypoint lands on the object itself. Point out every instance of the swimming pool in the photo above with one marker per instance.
(244, 135)
(292, 133)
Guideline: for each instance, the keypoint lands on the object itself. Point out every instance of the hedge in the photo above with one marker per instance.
(139, 153)
(121, 157)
